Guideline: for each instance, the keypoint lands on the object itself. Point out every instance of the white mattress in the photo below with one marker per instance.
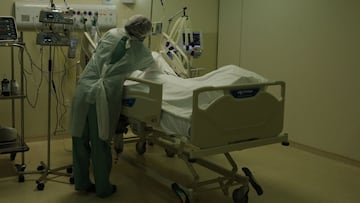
(177, 92)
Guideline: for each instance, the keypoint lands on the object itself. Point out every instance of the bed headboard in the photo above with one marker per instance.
(143, 103)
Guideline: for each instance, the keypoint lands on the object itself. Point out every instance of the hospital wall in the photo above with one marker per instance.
(65, 70)
(314, 47)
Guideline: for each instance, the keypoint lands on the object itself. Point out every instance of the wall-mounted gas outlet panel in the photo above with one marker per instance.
(27, 15)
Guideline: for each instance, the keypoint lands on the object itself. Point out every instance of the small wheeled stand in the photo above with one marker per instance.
(10, 144)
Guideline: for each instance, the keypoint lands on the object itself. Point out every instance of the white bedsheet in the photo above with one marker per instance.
(177, 92)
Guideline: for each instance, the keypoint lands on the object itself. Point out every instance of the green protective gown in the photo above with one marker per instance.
(96, 106)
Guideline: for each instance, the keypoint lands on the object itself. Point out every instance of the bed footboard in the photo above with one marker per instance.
(243, 113)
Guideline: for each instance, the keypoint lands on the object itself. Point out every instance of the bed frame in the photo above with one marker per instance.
(245, 116)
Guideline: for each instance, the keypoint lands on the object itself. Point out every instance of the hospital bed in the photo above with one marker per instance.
(238, 110)
(221, 119)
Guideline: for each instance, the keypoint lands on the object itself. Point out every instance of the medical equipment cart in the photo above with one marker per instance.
(17, 145)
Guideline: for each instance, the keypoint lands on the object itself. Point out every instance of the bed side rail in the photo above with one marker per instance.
(244, 112)
(143, 101)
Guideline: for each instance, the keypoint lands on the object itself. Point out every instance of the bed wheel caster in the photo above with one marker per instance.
(285, 143)
(183, 197)
(191, 160)
(72, 180)
(40, 168)
(40, 186)
(140, 147)
(13, 156)
(20, 167)
(69, 170)
(169, 153)
(21, 178)
(240, 195)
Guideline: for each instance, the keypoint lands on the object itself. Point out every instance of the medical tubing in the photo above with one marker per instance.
(181, 29)
(32, 64)
(171, 33)
(62, 82)
(174, 34)
(54, 92)
(66, 5)
(60, 99)
(177, 62)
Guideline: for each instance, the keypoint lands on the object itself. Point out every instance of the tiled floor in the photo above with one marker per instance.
(286, 174)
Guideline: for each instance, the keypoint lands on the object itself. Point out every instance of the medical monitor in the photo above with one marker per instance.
(192, 39)
(8, 30)
(192, 43)
(197, 39)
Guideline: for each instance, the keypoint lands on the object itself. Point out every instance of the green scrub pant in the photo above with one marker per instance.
(90, 147)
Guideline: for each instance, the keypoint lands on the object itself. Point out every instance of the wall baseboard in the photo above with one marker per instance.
(326, 154)
(297, 145)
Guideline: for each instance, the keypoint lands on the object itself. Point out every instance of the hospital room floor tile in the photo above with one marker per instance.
(287, 174)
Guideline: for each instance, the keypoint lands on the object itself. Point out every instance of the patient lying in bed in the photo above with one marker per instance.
(177, 92)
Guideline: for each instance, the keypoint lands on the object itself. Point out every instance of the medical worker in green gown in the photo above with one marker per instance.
(96, 105)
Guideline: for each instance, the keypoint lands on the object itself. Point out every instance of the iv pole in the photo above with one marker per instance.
(183, 10)
(45, 169)
(151, 19)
